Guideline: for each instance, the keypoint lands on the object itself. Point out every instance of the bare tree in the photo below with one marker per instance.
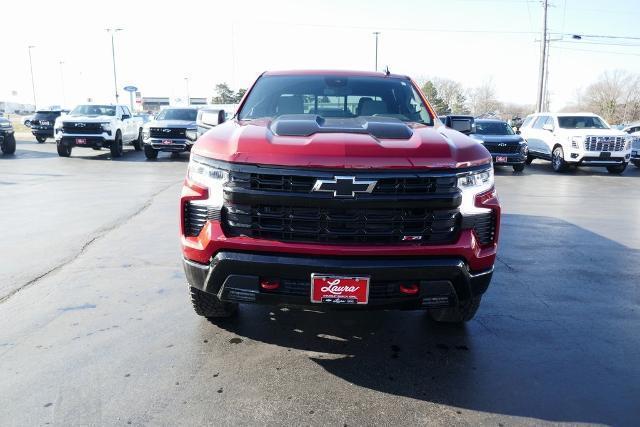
(483, 100)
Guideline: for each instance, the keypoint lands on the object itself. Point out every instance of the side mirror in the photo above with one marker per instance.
(548, 127)
(463, 125)
(125, 116)
(518, 132)
(210, 118)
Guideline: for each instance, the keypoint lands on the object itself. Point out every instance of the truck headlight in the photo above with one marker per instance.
(203, 174)
(576, 141)
(628, 142)
(145, 133)
(192, 134)
(471, 185)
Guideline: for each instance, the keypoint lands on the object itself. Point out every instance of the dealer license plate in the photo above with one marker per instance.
(339, 289)
(81, 141)
(501, 159)
(167, 142)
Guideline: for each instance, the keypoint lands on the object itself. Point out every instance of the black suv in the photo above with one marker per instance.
(506, 147)
(7, 137)
(42, 124)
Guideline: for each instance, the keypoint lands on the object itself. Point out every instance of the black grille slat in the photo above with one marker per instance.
(496, 148)
(485, 227)
(168, 133)
(196, 216)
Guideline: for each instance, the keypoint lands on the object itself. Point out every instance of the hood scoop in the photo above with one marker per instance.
(310, 124)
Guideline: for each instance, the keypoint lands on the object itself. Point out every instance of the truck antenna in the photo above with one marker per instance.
(386, 71)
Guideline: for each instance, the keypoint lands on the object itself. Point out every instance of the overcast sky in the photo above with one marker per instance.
(233, 41)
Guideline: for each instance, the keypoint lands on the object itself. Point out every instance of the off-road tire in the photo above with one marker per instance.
(9, 144)
(116, 146)
(64, 150)
(557, 160)
(209, 306)
(41, 139)
(462, 313)
(150, 152)
(518, 168)
(617, 169)
(138, 144)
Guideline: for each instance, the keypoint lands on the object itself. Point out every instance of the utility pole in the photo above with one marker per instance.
(543, 59)
(113, 57)
(376, 33)
(64, 100)
(186, 81)
(33, 84)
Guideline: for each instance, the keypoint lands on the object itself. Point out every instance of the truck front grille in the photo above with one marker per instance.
(343, 225)
(82, 128)
(168, 133)
(501, 148)
(604, 143)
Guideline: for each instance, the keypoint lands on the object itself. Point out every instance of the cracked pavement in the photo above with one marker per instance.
(96, 326)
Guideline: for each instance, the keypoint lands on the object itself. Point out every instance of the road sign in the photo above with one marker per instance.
(130, 88)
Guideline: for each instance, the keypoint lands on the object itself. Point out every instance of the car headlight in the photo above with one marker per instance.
(192, 134)
(629, 142)
(524, 148)
(471, 185)
(106, 127)
(202, 173)
(576, 141)
(145, 133)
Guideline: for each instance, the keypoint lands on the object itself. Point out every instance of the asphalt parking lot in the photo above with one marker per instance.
(96, 327)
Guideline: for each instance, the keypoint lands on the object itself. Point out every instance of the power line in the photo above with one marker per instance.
(598, 51)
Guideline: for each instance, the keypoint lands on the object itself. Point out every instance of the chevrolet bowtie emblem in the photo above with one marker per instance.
(344, 186)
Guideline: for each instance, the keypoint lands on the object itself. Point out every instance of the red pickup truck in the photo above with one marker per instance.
(338, 189)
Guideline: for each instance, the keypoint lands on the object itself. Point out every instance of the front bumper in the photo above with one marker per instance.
(235, 276)
(597, 158)
(92, 141)
(42, 131)
(170, 145)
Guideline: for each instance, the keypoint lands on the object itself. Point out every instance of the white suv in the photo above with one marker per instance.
(576, 139)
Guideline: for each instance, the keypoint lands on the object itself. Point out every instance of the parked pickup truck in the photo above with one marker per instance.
(98, 126)
(7, 137)
(338, 189)
(173, 130)
(576, 139)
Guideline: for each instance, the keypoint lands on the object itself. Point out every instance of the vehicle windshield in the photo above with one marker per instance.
(581, 122)
(46, 115)
(188, 114)
(335, 97)
(493, 128)
(94, 110)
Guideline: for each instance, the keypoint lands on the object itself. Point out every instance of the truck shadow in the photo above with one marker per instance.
(556, 337)
(129, 155)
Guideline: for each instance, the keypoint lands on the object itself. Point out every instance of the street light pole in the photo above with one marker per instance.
(33, 84)
(543, 59)
(113, 57)
(64, 99)
(186, 81)
(376, 33)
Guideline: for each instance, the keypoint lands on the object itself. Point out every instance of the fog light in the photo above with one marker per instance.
(409, 288)
(574, 155)
(269, 284)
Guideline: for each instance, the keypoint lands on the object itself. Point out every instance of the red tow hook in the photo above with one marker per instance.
(269, 284)
(409, 288)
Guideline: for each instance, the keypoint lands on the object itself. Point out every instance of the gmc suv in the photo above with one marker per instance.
(338, 189)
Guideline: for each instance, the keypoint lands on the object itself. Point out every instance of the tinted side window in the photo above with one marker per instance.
(527, 121)
(125, 110)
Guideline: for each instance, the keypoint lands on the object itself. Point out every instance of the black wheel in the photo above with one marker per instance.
(64, 150)
(41, 139)
(116, 146)
(518, 168)
(557, 160)
(530, 159)
(150, 152)
(462, 313)
(636, 163)
(617, 169)
(209, 306)
(138, 144)
(9, 144)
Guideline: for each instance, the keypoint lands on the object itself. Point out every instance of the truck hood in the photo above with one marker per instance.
(255, 142)
(87, 119)
(171, 124)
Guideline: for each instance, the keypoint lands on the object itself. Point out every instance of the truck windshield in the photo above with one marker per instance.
(188, 114)
(94, 110)
(493, 128)
(581, 122)
(335, 97)
(46, 115)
